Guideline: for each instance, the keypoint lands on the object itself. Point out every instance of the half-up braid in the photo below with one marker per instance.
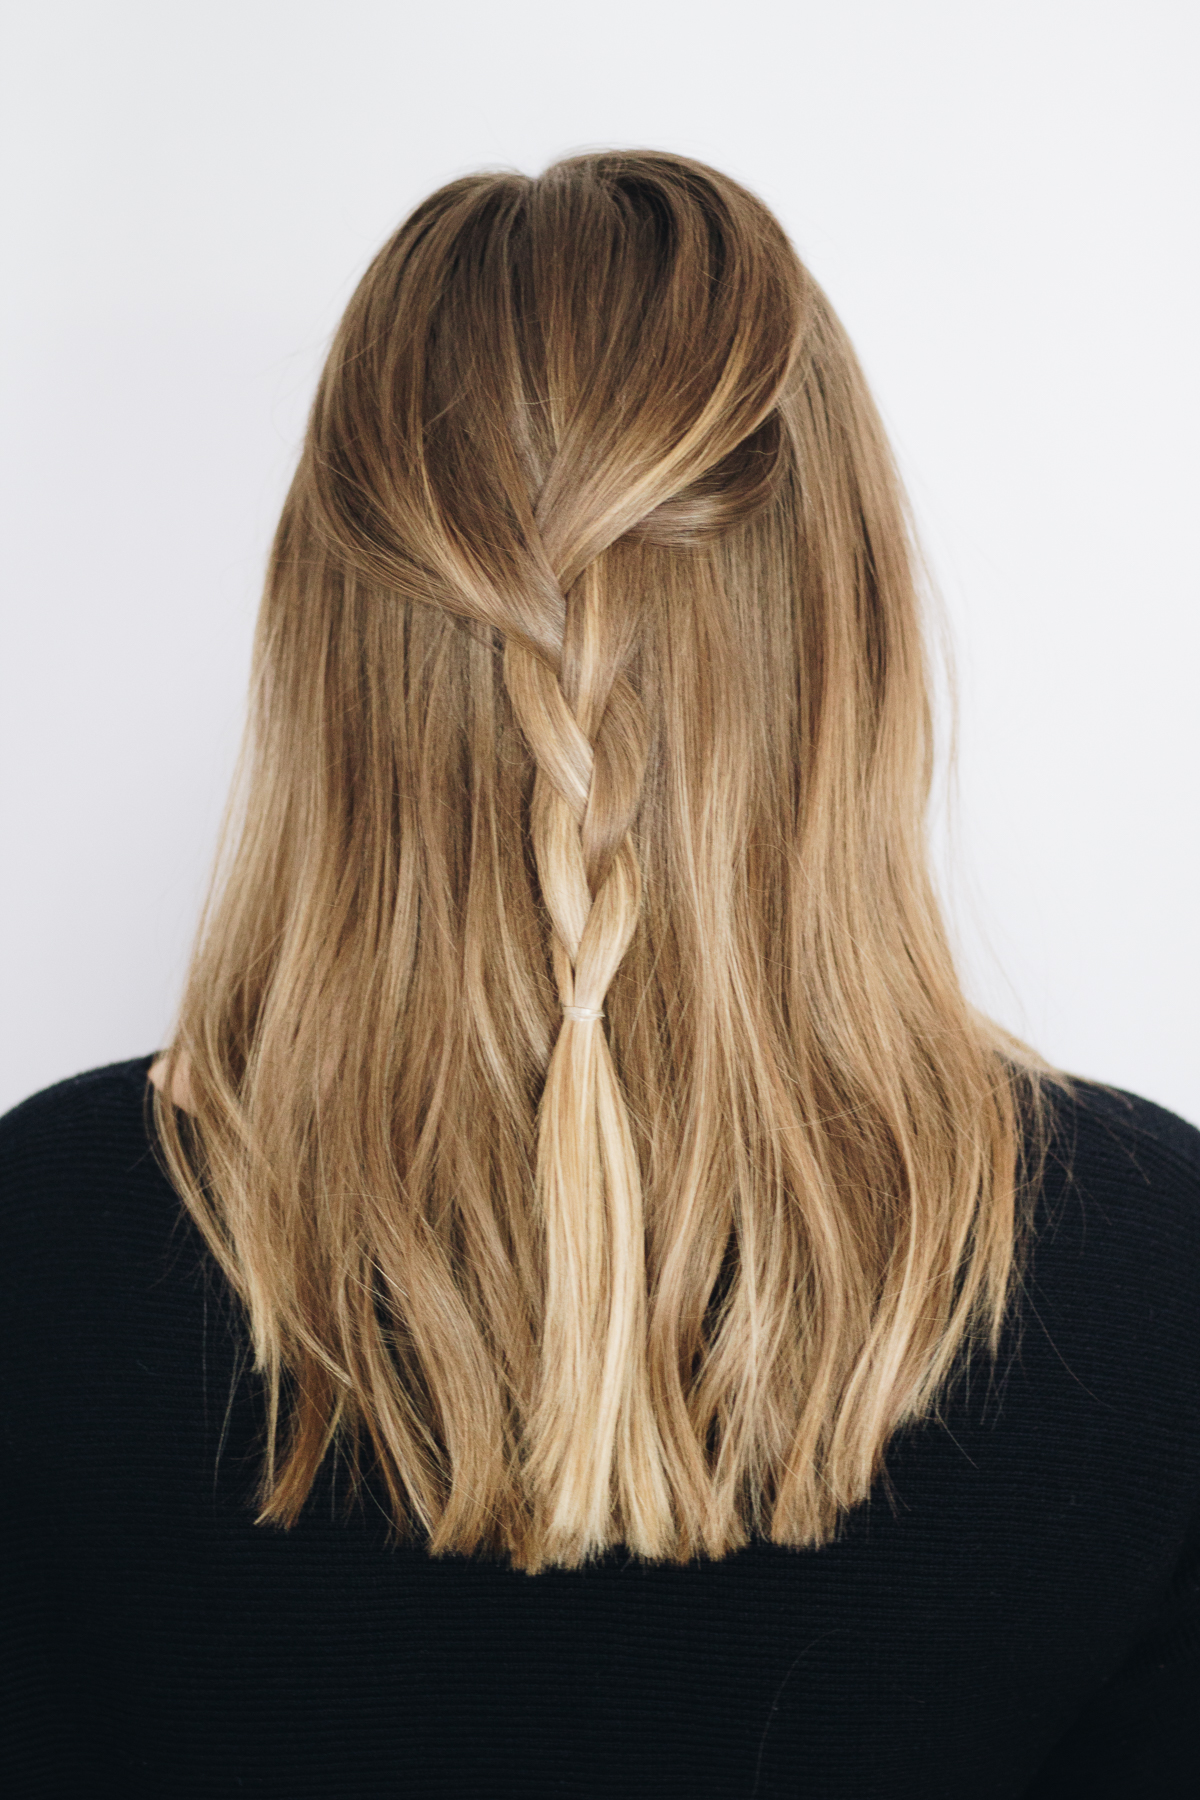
(595, 1454)
(584, 1105)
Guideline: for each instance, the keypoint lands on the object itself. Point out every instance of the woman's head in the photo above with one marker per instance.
(589, 675)
(532, 370)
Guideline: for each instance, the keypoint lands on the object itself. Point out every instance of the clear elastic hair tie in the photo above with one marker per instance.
(582, 1012)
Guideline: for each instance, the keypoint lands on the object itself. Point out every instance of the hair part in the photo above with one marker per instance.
(589, 673)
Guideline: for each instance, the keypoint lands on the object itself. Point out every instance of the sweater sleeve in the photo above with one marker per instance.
(1140, 1733)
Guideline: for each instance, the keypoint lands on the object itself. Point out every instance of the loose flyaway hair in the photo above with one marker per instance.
(589, 680)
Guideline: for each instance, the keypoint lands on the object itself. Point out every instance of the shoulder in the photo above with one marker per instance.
(1117, 1252)
(97, 1106)
(1107, 1141)
(106, 1294)
(75, 1159)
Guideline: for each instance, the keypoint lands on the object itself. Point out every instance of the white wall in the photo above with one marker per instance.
(1000, 200)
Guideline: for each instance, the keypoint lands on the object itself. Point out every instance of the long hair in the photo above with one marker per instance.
(589, 680)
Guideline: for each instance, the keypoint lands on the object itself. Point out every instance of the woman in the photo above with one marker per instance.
(584, 1305)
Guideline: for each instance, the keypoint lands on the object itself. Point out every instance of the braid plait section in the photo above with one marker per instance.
(594, 1462)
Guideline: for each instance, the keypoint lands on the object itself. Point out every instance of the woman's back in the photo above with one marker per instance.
(1022, 1617)
(599, 1312)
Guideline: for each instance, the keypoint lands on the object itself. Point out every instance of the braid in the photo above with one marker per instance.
(604, 1471)
(594, 1457)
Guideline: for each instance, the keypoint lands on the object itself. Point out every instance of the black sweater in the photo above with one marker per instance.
(1022, 1618)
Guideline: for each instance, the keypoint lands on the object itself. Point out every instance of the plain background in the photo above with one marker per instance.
(1000, 200)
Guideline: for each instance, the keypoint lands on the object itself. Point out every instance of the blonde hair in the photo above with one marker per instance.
(590, 674)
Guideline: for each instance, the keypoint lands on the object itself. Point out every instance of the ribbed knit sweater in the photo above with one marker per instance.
(1020, 1618)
